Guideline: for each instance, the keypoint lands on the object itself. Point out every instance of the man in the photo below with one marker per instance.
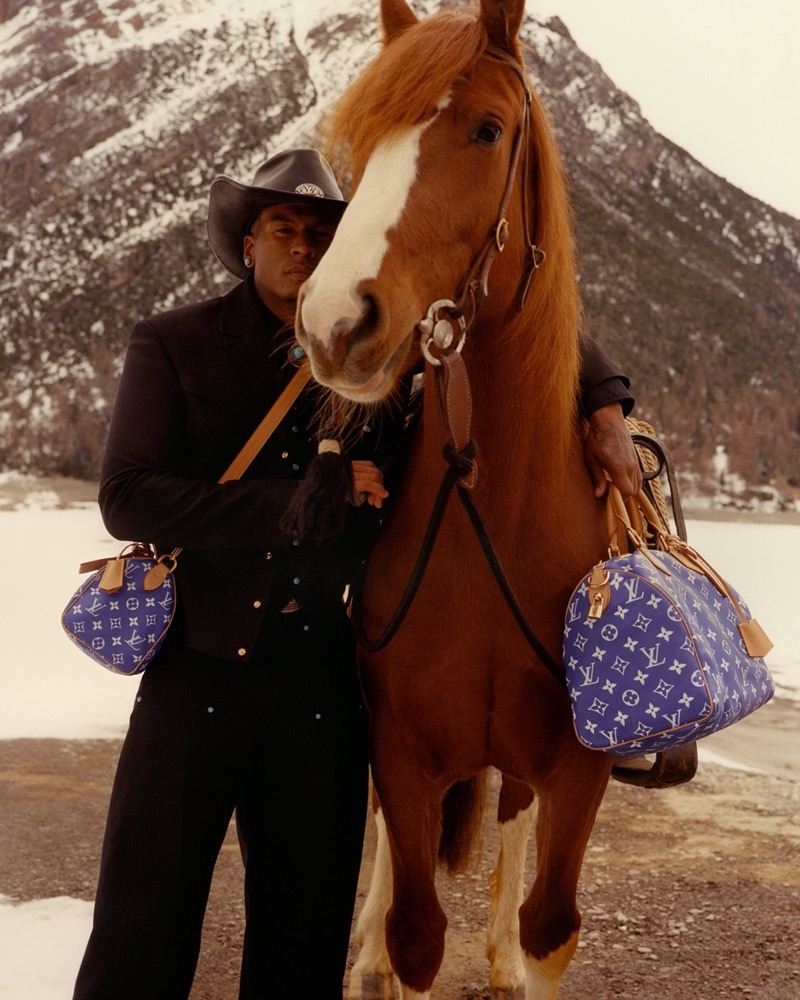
(252, 706)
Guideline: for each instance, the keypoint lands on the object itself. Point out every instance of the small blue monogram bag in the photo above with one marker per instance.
(120, 615)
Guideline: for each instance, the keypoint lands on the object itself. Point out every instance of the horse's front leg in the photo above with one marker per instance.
(549, 917)
(373, 958)
(507, 885)
(415, 923)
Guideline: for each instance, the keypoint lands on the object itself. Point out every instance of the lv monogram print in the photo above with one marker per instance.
(663, 665)
(124, 630)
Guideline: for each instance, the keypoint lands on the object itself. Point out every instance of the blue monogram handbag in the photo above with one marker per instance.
(120, 615)
(659, 650)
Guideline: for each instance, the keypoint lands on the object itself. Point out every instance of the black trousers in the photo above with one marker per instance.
(282, 743)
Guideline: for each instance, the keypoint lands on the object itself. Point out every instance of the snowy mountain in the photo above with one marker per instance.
(117, 114)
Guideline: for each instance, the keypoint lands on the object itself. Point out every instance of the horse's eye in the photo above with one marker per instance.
(488, 134)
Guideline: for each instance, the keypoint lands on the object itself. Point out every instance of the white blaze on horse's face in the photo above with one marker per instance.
(361, 242)
(335, 301)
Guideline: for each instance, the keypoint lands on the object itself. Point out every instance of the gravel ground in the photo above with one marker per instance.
(686, 893)
(690, 893)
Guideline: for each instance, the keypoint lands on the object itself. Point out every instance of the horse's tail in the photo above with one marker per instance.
(462, 821)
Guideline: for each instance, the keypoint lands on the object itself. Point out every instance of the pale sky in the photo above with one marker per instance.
(721, 78)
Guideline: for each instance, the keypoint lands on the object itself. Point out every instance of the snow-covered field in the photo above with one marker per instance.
(50, 689)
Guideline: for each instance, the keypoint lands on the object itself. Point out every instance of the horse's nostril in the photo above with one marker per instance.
(342, 327)
(350, 329)
(367, 322)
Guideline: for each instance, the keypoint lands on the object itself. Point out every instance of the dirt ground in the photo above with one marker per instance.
(686, 893)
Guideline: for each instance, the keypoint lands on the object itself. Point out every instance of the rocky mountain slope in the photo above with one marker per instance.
(116, 115)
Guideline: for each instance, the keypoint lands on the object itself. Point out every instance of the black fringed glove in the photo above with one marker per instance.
(317, 512)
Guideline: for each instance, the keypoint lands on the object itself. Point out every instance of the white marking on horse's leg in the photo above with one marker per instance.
(507, 886)
(370, 928)
(542, 976)
(371, 988)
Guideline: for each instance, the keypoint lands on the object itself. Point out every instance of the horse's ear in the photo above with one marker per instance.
(396, 16)
(502, 20)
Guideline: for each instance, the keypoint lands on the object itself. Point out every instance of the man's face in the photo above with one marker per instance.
(286, 244)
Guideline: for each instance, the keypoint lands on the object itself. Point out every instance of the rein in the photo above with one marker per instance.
(461, 471)
(442, 338)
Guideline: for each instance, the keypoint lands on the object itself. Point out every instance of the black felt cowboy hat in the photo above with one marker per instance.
(295, 176)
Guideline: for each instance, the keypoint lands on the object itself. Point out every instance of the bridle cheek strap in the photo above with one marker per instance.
(476, 284)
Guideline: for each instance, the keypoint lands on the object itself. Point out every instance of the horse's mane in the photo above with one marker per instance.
(401, 87)
(403, 84)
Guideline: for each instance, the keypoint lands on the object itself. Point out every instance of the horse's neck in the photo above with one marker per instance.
(517, 412)
(528, 457)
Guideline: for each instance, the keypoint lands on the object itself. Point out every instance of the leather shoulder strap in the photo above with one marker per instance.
(265, 429)
(166, 563)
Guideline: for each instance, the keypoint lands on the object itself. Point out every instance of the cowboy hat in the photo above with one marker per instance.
(296, 176)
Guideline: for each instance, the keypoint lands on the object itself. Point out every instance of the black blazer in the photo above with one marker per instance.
(195, 384)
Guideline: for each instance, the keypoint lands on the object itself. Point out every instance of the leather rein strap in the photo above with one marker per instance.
(461, 472)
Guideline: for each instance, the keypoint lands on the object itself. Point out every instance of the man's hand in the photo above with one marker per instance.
(610, 453)
(369, 482)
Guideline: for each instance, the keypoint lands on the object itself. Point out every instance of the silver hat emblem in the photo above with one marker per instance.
(309, 188)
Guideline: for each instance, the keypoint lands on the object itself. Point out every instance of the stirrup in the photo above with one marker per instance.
(671, 767)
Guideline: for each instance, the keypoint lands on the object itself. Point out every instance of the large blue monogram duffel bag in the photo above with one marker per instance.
(658, 649)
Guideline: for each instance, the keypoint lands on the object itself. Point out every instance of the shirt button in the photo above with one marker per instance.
(296, 580)
(295, 466)
(268, 555)
(284, 454)
(242, 652)
(256, 604)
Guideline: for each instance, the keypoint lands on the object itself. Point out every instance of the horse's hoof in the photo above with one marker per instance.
(517, 994)
(371, 986)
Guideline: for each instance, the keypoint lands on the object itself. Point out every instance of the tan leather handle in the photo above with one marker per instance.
(165, 564)
(624, 521)
(626, 516)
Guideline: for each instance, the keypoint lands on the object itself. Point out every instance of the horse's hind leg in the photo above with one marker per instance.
(507, 885)
(549, 917)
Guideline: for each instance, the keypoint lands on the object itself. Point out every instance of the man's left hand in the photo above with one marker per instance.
(610, 453)
(369, 482)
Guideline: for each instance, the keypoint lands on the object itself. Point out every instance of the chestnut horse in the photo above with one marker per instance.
(459, 233)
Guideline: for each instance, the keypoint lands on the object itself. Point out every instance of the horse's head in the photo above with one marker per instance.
(442, 144)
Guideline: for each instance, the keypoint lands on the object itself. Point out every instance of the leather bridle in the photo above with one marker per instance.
(445, 325)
